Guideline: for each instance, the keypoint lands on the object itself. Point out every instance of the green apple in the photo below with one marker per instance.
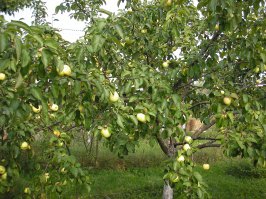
(186, 147)
(206, 166)
(54, 107)
(141, 117)
(105, 132)
(168, 2)
(188, 139)
(24, 146)
(222, 92)
(114, 97)
(66, 71)
(2, 76)
(63, 170)
(181, 158)
(144, 31)
(256, 70)
(174, 177)
(2, 170)
(165, 64)
(227, 101)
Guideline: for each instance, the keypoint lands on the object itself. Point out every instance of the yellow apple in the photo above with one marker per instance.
(63, 170)
(168, 2)
(222, 92)
(57, 133)
(257, 69)
(188, 139)
(141, 117)
(105, 132)
(4, 176)
(114, 97)
(174, 177)
(227, 101)
(66, 71)
(258, 81)
(206, 166)
(165, 64)
(27, 190)
(181, 158)
(143, 31)
(54, 107)
(2, 170)
(36, 110)
(2, 76)
(186, 147)
(24, 146)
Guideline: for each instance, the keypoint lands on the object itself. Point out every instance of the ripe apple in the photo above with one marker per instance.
(227, 101)
(66, 71)
(141, 117)
(186, 147)
(57, 133)
(257, 69)
(165, 64)
(2, 170)
(222, 92)
(217, 27)
(168, 2)
(206, 166)
(27, 190)
(144, 31)
(114, 97)
(105, 132)
(4, 176)
(24, 146)
(54, 107)
(36, 110)
(181, 158)
(2, 76)
(188, 139)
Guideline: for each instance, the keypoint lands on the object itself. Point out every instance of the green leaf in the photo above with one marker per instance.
(25, 59)
(36, 92)
(38, 38)
(119, 31)
(3, 42)
(20, 24)
(133, 119)
(46, 57)
(198, 176)
(18, 46)
(19, 81)
(120, 120)
(51, 44)
(74, 171)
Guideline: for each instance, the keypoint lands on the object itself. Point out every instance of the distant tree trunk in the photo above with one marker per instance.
(168, 192)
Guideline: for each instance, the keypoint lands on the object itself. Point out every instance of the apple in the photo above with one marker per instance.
(2, 170)
(24, 146)
(144, 31)
(4, 176)
(141, 117)
(114, 97)
(258, 81)
(222, 92)
(63, 170)
(188, 139)
(66, 71)
(57, 133)
(206, 166)
(54, 107)
(27, 190)
(60, 144)
(181, 158)
(186, 147)
(36, 110)
(81, 108)
(217, 27)
(227, 101)
(105, 132)
(256, 70)
(174, 177)
(168, 3)
(165, 64)
(2, 76)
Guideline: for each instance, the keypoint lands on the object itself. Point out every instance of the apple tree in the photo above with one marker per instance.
(141, 73)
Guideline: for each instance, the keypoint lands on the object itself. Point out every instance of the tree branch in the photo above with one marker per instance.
(163, 145)
(206, 145)
(202, 129)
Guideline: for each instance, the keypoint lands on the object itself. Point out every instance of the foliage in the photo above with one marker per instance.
(10, 6)
(168, 60)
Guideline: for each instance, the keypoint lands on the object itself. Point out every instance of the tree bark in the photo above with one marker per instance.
(168, 192)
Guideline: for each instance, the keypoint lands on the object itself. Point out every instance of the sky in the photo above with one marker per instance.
(71, 28)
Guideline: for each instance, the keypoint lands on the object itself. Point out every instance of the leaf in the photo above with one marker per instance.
(198, 176)
(105, 12)
(38, 38)
(36, 92)
(120, 120)
(3, 42)
(25, 59)
(51, 44)
(97, 42)
(18, 46)
(119, 31)
(19, 81)
(133, 119)
(74, 171)
(20, 24)
(46, 57)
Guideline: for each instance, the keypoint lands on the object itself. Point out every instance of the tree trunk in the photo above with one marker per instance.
(168, 192)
